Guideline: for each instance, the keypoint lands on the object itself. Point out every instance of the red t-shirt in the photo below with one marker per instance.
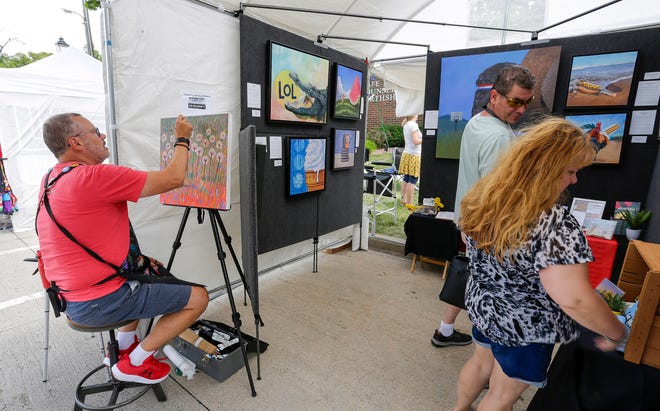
(90, 202)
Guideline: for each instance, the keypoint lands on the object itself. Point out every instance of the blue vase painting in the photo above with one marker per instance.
(306, 165)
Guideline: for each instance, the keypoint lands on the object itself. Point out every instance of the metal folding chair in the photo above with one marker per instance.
(381, 184)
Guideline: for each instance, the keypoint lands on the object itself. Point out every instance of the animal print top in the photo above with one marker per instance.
(507, 302)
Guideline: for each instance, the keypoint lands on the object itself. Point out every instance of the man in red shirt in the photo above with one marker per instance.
(89, 200)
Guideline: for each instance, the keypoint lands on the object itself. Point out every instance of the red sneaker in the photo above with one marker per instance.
(150, 372)
(106, 359)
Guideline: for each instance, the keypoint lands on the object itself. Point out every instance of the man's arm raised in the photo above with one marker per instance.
(174, 174)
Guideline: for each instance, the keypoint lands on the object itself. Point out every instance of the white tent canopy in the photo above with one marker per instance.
(439, 24)
(69, 81)
(192, 46)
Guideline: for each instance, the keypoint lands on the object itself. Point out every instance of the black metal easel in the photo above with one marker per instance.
(216, 222)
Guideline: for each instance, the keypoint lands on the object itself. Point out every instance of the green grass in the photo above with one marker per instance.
(449, 145)
(344, 108)
(386, 225)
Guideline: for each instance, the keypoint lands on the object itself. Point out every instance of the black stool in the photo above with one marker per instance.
(109, 384)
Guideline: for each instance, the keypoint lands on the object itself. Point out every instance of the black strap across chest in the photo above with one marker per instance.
(161, 275)
(48, 184)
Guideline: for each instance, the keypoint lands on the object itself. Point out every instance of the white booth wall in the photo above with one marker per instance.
(157, 55)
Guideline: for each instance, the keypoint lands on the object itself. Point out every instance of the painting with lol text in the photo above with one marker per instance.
(298, 86)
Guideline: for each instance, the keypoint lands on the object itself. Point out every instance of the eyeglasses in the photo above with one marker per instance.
(94, 130)
(514, 102)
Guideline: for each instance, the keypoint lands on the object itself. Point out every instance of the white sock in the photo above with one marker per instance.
(446, 329)
(138, 355)
(125, 339)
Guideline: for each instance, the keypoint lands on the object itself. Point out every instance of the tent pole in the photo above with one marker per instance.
(366, 16)
(320, 38)
(414, 57)
(110, 117)
(88, 30)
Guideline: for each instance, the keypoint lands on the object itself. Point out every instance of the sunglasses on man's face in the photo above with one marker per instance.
(514, 102)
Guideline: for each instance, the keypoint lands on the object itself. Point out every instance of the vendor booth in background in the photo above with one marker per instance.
(69, 81)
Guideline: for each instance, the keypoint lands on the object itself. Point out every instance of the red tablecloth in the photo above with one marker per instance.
(604, 252)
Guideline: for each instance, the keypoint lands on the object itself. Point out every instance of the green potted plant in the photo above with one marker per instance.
(614, 301)
(636, 220)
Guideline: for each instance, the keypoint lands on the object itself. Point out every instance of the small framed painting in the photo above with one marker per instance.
(298, 86)
(348, 92)
(343, 153)
(601, 80)
(605, 132)
(306, 164)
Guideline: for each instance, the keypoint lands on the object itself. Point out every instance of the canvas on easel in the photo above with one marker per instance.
(208, 175)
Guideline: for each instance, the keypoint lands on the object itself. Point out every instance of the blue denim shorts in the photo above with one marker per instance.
(526, 363)
(134, 300)
(410, 179)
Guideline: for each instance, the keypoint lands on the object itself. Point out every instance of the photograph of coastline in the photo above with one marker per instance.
(306, 165)
(601, 80)
(605, 132)
(466, 81)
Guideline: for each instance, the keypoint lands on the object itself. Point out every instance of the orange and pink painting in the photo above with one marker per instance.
(207, 178)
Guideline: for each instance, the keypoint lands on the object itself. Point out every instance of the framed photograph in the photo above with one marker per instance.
(343, 153)
(585, 208)
(605, 131)
(621, 206)
(466, 81)
(298, 86)
(207, 181)
(305, 164)
(601, 80)
(348, 92)
(597, 227)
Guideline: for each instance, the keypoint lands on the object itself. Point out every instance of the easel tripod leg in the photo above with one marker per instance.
(175, 246)
(177, 241)
(227, 239)
(236, 317)
(246, 289)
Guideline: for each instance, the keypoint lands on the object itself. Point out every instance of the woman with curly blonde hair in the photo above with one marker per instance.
(529, 283)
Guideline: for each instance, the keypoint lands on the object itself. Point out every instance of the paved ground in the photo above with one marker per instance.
(354, 336)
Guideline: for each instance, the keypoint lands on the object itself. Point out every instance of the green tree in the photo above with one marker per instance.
(20, 59)
(92, 4)
(97, 54)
